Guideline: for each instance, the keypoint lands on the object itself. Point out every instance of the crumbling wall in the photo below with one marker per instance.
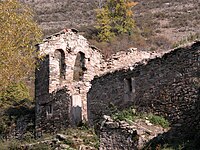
(70, 44)
(167, 86)
(54, 115)
(125, 59)
(60, 54)
(118, 136)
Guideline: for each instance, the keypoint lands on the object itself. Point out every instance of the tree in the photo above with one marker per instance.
(19, 34)
(104, 24)
(116, 17)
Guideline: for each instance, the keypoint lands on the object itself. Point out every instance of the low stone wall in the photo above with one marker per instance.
(54, 115)
(118, 136)
(167, 86)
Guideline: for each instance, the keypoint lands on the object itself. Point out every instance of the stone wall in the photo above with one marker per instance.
(67, 61)
(118, 136)
(54, 115)
(167, 85)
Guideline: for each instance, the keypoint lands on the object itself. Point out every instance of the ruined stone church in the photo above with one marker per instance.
(74, 83)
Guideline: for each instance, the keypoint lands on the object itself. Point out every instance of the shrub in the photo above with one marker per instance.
(158, 120)
(10, 145)
(41, 146)
(190, 38)
(131, 115)
(28, 137)
(128, 115)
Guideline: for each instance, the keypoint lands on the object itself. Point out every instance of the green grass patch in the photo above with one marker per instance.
(158, 120)
(130, 115)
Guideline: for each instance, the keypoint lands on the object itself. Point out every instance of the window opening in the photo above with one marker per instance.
(60, 56)
(79, 67)
(49, 110)
(130, 85)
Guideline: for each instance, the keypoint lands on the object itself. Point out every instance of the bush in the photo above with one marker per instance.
(128, 115)
(41, 146)
(28, 137)
(126, 41)
(158, 120)
(10, 145)
(131, 115)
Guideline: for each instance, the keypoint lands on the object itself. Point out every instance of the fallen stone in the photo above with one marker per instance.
(112, 125)
(61, 137)
(64, 146)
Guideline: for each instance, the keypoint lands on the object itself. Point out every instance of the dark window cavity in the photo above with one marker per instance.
(49, 109)
(130, 85)
(60, 56)
(79, 67)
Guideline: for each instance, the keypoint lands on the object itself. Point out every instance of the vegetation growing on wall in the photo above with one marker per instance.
(130, 115)
(185, 40)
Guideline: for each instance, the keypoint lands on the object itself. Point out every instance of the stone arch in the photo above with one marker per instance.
(79, 67)
(59, 55)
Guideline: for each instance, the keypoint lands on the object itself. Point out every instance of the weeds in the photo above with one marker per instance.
(10, 145)
(130, 115)
(127, 115)
(158, 120)
(189, 38)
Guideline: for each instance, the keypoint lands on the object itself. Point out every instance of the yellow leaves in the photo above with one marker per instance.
(18, 35)
(116, 17)
(129, 13)
(131, 4)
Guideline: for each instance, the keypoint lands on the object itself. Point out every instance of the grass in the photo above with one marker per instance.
(131, 115)
(190, 38)
(158, 120)
(75, 138)
(81, 136)
(127, 115)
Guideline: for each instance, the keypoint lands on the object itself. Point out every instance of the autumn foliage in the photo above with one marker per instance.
(115, 18)
(18, 36)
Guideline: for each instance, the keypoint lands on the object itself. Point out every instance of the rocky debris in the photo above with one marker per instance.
(165, 86)
(124, 59)
(118, 134)
(61, 137)
(71, 139)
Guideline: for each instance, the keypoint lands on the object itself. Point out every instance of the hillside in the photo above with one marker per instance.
(171, 19)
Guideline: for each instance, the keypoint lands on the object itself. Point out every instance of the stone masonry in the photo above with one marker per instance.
(64, 74)
(63, 78)
(167, 85)
(74, 83)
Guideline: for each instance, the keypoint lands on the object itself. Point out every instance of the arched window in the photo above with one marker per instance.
(60, 57)
(79, 66)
